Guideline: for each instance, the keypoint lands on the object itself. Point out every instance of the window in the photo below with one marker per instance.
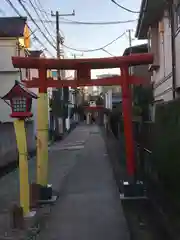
(153, 44)
(149, 40)
(178, 16)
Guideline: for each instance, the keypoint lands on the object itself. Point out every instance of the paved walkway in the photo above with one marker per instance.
(89, 207)
(60, 164)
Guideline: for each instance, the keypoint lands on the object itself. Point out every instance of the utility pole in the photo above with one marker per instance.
(75, 55)
(76, 118)
(130, 39)
(59, 41)
(59, 38)
(130, 46)
(60, 74)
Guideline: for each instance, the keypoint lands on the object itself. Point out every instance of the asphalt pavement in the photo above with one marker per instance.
(89, 206)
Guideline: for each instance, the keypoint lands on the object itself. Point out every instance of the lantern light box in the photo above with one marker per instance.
(20, 101)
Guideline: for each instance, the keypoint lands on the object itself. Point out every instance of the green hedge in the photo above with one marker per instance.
(166, 147)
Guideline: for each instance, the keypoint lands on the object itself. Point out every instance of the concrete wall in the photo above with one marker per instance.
(142, 71)
(8, 147)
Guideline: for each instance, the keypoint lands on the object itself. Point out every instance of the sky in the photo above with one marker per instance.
(83, 37)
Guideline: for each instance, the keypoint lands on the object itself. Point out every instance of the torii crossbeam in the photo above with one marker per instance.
(83, 68)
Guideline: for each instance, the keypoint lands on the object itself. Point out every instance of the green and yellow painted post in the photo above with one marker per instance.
(20, 132)
(42, 130)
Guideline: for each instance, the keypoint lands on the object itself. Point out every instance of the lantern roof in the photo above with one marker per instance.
(19, 90)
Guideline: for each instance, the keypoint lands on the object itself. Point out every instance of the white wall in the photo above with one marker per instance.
(8, 48)
(162, 78)
(108, 99)
(7, 81)
(177, 44)
(8, 74)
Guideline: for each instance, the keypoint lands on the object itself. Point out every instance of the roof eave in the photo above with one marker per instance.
(8, 33)
(141, 16)
(143, 48)
(150, 12)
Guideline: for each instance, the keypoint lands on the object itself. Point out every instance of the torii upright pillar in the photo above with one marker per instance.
(128, 127)
(42, 130)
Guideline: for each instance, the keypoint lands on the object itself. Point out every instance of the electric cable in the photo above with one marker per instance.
(47, 19)
(124, 8)
(71, 22)
(28, 13)
(95, 49)
(68, 21)
(50, 35)
(32, 32)
(107, 52)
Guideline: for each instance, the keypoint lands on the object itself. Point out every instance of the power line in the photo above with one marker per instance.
(32, 32)
(47, 19)
(44, 35)
(43, 13)
(41, 10)
(68, 21)
(124, 8)
(107, 52)
(42, 21)
(96, 49)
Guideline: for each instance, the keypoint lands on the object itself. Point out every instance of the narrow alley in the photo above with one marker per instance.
(89, 206)
(89, 120)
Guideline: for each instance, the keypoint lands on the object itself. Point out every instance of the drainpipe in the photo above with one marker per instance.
(173, 48)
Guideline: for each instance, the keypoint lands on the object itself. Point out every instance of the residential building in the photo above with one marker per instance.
(13, 32)
(104, 89)
(140, 70)
(93, 90)
(159, 22)
(145, 91)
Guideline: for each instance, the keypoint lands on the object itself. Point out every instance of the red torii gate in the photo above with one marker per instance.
(83, 67)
